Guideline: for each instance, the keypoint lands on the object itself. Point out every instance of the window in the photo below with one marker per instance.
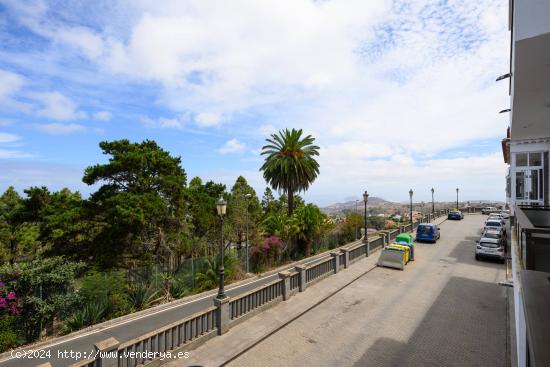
(535, 159)
(489, 244)
(521, 159)
(520, 185)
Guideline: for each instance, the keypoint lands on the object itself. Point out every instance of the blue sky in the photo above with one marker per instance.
(398, 94)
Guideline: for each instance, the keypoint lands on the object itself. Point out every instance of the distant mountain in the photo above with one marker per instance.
(350, 205)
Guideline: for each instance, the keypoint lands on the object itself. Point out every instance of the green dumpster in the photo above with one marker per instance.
(408, 240)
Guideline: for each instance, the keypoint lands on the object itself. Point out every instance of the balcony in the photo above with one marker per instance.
(531, 268)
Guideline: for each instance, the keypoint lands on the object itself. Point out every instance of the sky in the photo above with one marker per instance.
(398, 94)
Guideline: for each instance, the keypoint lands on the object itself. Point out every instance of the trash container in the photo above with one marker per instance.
(410, 246)
(404, 248)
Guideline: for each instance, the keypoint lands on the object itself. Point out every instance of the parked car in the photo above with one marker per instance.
(505, 214)
(455, 214)
(427, 232)
(495, 234)
(495, 224)
(488, 210)
(491, 245)
(495, 216)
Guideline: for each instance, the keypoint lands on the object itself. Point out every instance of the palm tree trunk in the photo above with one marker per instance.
(308, 248)
(290, 202)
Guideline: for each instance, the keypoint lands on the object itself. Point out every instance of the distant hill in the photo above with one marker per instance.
(350, 205)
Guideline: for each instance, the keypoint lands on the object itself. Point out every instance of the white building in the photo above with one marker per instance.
(526, 149)
(527, 143)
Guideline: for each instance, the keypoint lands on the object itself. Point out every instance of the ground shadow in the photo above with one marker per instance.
(465, 326)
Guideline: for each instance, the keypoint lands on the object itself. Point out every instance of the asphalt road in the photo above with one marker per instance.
(125, 331)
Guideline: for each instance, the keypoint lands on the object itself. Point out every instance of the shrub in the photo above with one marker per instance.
(142, 296)
(110, 288)
(92, 313)
(8, 337)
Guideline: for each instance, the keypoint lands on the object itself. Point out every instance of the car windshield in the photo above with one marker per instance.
(488, 244)
(493, 224)
(424, 229)
(496, 236)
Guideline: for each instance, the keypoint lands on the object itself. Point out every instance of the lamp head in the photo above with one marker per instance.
(365, 196)
(221, 207)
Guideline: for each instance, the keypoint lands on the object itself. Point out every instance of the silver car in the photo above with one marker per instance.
(492, 244)
(495, 224)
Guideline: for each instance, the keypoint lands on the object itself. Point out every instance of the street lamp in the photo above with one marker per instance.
(411, 207)
(433, 206)
(457, 198)
(221, 207)
(247, 197)
(365, 199)
(356, 228)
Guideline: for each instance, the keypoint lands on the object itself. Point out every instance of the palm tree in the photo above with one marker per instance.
(290, 165)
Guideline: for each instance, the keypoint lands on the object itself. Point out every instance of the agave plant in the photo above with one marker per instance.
(92, 313)
(142, 296)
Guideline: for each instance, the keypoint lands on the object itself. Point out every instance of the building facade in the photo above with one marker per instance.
(527, 143)
(526, 149)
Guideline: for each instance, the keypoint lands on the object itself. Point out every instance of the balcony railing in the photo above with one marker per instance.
(531, 273)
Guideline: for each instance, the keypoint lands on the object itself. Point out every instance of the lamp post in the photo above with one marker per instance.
(457, 198)
(356, 228)
(365, 199)
(221, 207)
(433, 205)
(247, 197)
(411, 207)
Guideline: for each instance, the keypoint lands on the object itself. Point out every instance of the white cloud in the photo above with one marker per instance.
(4, 122)
(207, 119)
(103, 115)
(12, 154)
(60, 129)
(8, 138)
(9, 84)
(232, 146)
(386, 87)
(56, 106)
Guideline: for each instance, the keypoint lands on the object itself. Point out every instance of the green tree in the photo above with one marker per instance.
(203, 215)
(308, 224)
(238, 206)
(290, 165)
(269, 203)
(142, 201)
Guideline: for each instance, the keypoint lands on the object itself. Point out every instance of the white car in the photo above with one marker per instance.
(488, 210)
(495, 217)
(492, 244)
(495, 224)
(505, 214)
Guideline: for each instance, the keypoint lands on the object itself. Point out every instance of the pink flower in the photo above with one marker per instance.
(11, 296)
(14, 310)
(2, 284)
(3, 303)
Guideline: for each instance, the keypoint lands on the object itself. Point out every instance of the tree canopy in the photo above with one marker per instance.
(290, 164)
